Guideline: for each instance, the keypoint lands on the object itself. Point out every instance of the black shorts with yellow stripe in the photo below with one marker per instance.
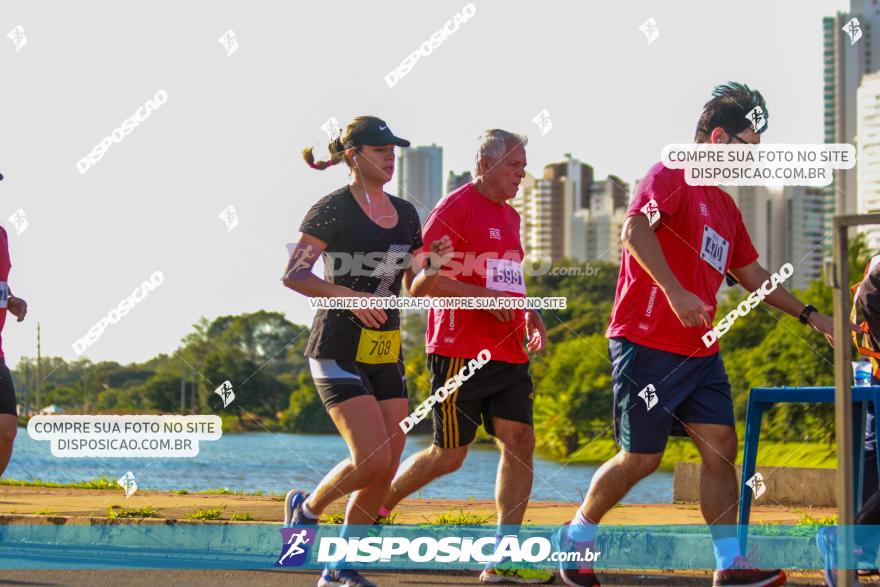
(496, 390)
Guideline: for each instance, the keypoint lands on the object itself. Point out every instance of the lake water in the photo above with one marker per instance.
(275, 463)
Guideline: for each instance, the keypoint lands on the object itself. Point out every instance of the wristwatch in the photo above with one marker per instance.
(805, 313)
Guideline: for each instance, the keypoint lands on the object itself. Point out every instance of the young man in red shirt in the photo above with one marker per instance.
(485, 229)
(680, 241)
(18, 308)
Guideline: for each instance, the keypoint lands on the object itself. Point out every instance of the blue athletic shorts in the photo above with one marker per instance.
(656, 393)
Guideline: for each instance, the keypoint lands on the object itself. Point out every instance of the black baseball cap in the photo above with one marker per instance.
(374, 132)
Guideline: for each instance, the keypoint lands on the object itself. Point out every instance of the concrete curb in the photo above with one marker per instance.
(797, 486)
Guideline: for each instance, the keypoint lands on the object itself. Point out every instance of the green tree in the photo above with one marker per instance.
(305, 411)
(572, 394)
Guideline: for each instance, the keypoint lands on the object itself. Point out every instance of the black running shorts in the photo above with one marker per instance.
(496, 390)
(338, 381)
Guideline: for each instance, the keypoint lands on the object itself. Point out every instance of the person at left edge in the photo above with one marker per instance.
(18, 307)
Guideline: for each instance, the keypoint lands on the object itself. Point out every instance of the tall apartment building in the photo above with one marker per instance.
(420, 177)
(754, 205)
(844, 64)
(456, 180)
(868, 153)
(796, 232)
(567, 214)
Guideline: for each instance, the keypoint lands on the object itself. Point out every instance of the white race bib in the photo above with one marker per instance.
(4, 294)
(714, 249)
(505, 275)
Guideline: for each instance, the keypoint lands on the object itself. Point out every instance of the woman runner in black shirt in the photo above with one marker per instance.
(367, 239)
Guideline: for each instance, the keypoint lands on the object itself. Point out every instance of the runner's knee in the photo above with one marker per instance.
(641, 464)
(449, 460)
(371, 464)
(721, 453)
(390, 471)
(519, 440)
(7, 433)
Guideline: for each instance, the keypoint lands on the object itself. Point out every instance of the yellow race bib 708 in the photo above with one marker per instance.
(376, 347)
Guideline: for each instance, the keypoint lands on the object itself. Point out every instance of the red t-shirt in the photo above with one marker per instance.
(702, 235)
(5, 266)
(488, 253)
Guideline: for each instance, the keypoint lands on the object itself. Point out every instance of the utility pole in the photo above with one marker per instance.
(39, 373)
(195, 403)
(182, 395)
(27, 385)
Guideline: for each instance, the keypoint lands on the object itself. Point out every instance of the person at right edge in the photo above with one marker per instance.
(866, 315)
(680, 242)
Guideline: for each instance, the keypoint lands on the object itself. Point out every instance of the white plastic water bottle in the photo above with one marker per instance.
(861, 373)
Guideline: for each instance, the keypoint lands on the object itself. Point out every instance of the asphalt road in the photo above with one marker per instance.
(283, 578)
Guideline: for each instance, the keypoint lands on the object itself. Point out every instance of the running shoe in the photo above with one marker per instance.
(510, 572)
(575, 573)
(868, 569)
(293, 514)
(744, 574)
(375, 530)
(343, 578)
(826, 541)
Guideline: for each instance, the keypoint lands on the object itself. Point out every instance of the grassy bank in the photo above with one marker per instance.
(770, 454)
(105, 482)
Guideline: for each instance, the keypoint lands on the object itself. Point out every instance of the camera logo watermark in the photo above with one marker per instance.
(124, 307)
(649, 395)
(442, 392)
(756, 482)
(19, 220)
(651, 210)
(128, 484)
(128, 125)
(432, 43)
(758, 118)
(650, 30)
(18, 38)
(301, 261)
(854, 29)
(543, 121)
(229, 217)
(230, 41)
(332, 128)
(748, 304)
(226, 393)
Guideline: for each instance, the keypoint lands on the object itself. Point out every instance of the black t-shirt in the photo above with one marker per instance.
(362, 256)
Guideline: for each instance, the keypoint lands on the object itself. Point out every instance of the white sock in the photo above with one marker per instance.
(308, 513)
(581, 529)
(726, 551)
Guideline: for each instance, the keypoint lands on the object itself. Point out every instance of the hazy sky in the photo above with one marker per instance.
(232, 128)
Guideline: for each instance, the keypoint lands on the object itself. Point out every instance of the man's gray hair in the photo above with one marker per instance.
(494, 144)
